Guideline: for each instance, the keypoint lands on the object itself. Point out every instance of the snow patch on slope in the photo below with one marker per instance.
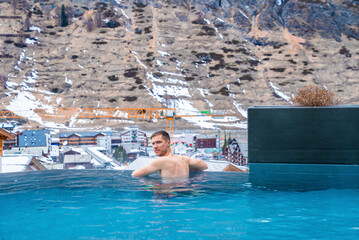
(240, 109)
(279, 93)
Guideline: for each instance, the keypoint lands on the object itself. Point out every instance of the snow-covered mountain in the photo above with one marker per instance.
(218, 56)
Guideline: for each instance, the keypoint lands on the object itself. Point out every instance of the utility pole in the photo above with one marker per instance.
(219, 144)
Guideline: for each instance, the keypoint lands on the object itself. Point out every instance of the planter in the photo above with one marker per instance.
(303, 135)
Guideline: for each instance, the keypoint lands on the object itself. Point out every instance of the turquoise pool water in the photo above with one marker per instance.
(65, 204)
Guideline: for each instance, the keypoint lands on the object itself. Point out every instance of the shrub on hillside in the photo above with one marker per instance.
(314, 96)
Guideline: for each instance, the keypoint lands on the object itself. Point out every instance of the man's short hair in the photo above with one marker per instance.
(164, 135)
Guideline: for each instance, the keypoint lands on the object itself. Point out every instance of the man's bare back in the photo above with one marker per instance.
(174, 166)
(168, 164)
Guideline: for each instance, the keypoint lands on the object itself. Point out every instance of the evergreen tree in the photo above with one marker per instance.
(64, 19)
(121, 155)
(229, 139)
(225, 144)
(117, 153)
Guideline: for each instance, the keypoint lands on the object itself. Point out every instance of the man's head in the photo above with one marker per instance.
(161, 143)
(164, 135)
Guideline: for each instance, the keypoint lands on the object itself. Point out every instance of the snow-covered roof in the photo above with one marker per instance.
(14, 163)
(78, 150)
(127, 131)
(139, 162)
(216, 166)
(94, 151)
(34, 132)
(83, 134)
(96, 163)
(6, 135)
(6, 125)
(77, 159)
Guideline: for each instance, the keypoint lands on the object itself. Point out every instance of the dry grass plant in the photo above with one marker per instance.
(314, 96)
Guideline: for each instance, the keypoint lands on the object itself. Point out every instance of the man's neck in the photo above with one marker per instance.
(168, 154)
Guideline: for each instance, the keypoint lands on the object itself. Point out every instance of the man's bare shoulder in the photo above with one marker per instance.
(160, 160)
(185, 158)
(168, 159)
(176, 157)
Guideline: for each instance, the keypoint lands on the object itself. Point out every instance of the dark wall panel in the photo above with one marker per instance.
(286, 134)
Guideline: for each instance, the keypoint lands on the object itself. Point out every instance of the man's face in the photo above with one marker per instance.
(160, 146)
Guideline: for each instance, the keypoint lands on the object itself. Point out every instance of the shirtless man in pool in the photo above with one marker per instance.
(169, 165)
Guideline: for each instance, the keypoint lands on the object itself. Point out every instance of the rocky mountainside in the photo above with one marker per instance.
(195, 55)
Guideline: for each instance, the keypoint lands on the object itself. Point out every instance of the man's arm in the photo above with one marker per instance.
(197, 164)
(147, 170)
